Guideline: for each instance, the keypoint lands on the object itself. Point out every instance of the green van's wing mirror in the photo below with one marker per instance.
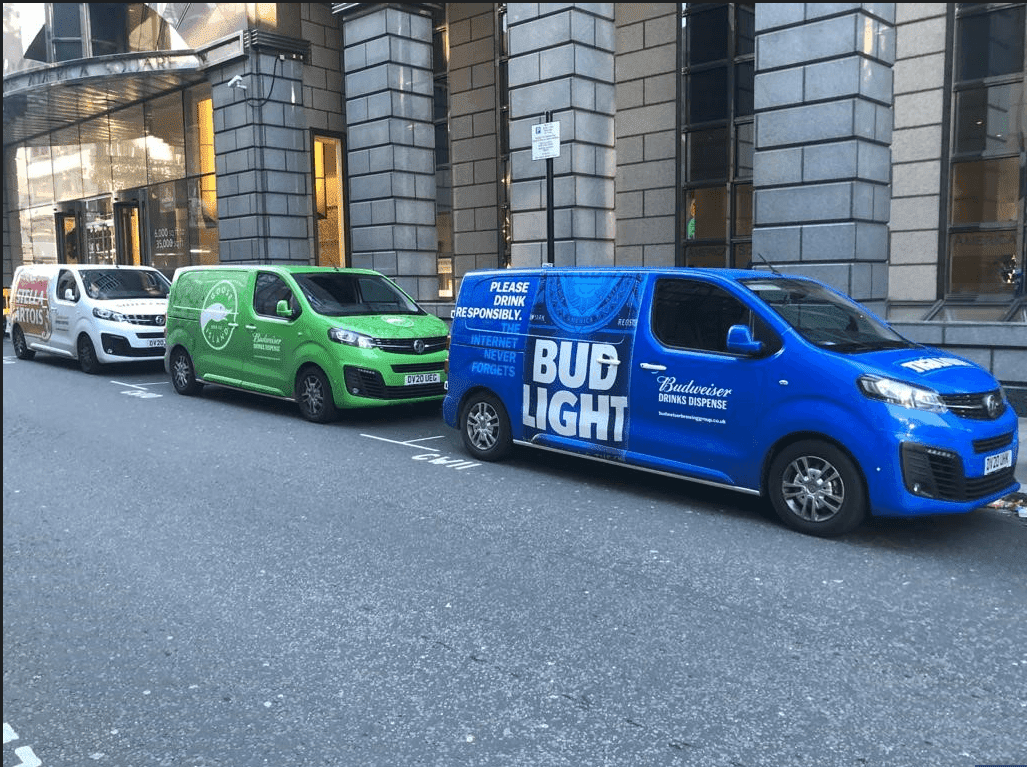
(283, 310)
(740, 341)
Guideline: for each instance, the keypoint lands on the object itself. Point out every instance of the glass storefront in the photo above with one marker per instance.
(136, 185)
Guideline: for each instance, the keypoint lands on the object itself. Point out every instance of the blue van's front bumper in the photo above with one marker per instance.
(942, 464)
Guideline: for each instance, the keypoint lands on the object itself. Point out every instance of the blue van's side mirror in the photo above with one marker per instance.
(740, 341)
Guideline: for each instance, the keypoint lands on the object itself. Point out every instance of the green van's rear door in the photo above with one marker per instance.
(220, 346)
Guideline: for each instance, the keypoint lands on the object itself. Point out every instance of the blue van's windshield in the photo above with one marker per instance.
(113, 284)
(825, 318)
(338, 294)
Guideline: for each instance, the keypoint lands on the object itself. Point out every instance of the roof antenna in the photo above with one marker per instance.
(769, 265)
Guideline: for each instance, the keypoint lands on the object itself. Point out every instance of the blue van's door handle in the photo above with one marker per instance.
(651, 366)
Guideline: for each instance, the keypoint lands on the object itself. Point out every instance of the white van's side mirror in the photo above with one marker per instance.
(69, 294)
(740, 341)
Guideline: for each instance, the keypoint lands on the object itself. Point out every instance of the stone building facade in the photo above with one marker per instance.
(876, 146)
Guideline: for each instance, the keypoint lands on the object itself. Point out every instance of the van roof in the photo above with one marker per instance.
(287, 268)
(683, 271)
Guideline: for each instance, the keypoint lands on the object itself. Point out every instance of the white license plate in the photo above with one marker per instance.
(998, 462)
(157, 343)
(421, 378)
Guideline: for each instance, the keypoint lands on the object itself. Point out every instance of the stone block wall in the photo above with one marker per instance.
(647, 133)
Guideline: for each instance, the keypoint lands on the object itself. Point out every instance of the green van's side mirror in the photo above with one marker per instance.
(283, 310)
(740, 341)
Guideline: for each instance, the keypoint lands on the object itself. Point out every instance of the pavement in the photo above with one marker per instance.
(1017, 502)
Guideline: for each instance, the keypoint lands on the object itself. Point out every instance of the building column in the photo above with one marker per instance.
(387, 60)
(822, 172)
(261, 158)
(561, 59)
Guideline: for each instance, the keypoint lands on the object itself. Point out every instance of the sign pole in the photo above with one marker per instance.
(550, 213)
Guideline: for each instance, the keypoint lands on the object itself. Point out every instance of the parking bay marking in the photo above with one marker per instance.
(433, 457)
(24, 753)
(139, 390)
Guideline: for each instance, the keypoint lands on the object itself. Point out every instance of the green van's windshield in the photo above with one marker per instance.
(825, 318)
(337, 294)
(113, 284)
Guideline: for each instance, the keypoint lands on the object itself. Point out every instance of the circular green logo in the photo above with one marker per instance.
(217, 318)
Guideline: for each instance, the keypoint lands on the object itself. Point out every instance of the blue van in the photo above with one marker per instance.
(767, 384)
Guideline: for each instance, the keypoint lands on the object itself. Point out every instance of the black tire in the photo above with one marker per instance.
(817, 489)
(485, 427)
(87, 355)
(314, 396)
(21, 347)
(183, 374)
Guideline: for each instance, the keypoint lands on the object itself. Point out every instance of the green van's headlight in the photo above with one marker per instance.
(351, 338)
(901, 393)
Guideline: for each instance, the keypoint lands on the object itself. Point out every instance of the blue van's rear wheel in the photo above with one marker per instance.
(183, 375)
(485, 427)
(816, 488)
(314, 396)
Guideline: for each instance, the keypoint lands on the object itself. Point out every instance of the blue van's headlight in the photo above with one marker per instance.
(901, 393)
(351, 338)
(107, 314)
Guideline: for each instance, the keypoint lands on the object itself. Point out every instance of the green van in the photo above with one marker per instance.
(325, 337)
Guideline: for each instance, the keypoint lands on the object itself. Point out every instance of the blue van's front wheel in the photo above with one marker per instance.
(314, 396)
(485, 427)
(816, 488)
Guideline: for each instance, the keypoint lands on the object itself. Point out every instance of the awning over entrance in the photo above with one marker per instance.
(56, 96)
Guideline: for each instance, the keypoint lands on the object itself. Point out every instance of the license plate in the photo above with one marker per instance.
(998, 462)
(421, 378)
(157, 343)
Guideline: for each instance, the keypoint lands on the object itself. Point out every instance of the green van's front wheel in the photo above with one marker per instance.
(485, 427)
(314, 396)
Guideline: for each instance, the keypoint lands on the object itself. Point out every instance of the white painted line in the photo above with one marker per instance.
(28, 758)
(9, 733)
(408, 443)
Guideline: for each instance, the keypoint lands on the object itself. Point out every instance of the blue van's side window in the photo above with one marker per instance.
(688, 314)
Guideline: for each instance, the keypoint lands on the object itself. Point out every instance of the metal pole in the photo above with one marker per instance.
(550, 215)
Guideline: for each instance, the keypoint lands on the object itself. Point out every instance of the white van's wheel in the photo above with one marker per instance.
(314, 396)
(87, 355)
(816, 488)
(485, 427)
(21, 348)
(183, 376)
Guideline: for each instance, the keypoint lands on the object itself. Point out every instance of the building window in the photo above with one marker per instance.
(328, 201)
(718, 50)
(443, 162)
(986, 211)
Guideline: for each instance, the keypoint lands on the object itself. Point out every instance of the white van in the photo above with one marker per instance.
(95, 313)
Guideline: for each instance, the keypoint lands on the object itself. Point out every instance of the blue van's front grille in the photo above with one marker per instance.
(993, 443)
(935, 473)
(361, 382)
(984, 406)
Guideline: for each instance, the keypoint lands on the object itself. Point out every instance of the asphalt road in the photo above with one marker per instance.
(212, 581)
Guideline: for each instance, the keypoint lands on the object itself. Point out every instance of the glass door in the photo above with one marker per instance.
(127, 228)
(69, 238)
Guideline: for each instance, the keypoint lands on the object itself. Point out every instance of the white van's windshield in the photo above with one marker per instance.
(825, 318)
(337, 294)
(115, 284)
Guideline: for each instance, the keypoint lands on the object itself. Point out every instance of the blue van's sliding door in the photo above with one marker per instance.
(695, 407)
